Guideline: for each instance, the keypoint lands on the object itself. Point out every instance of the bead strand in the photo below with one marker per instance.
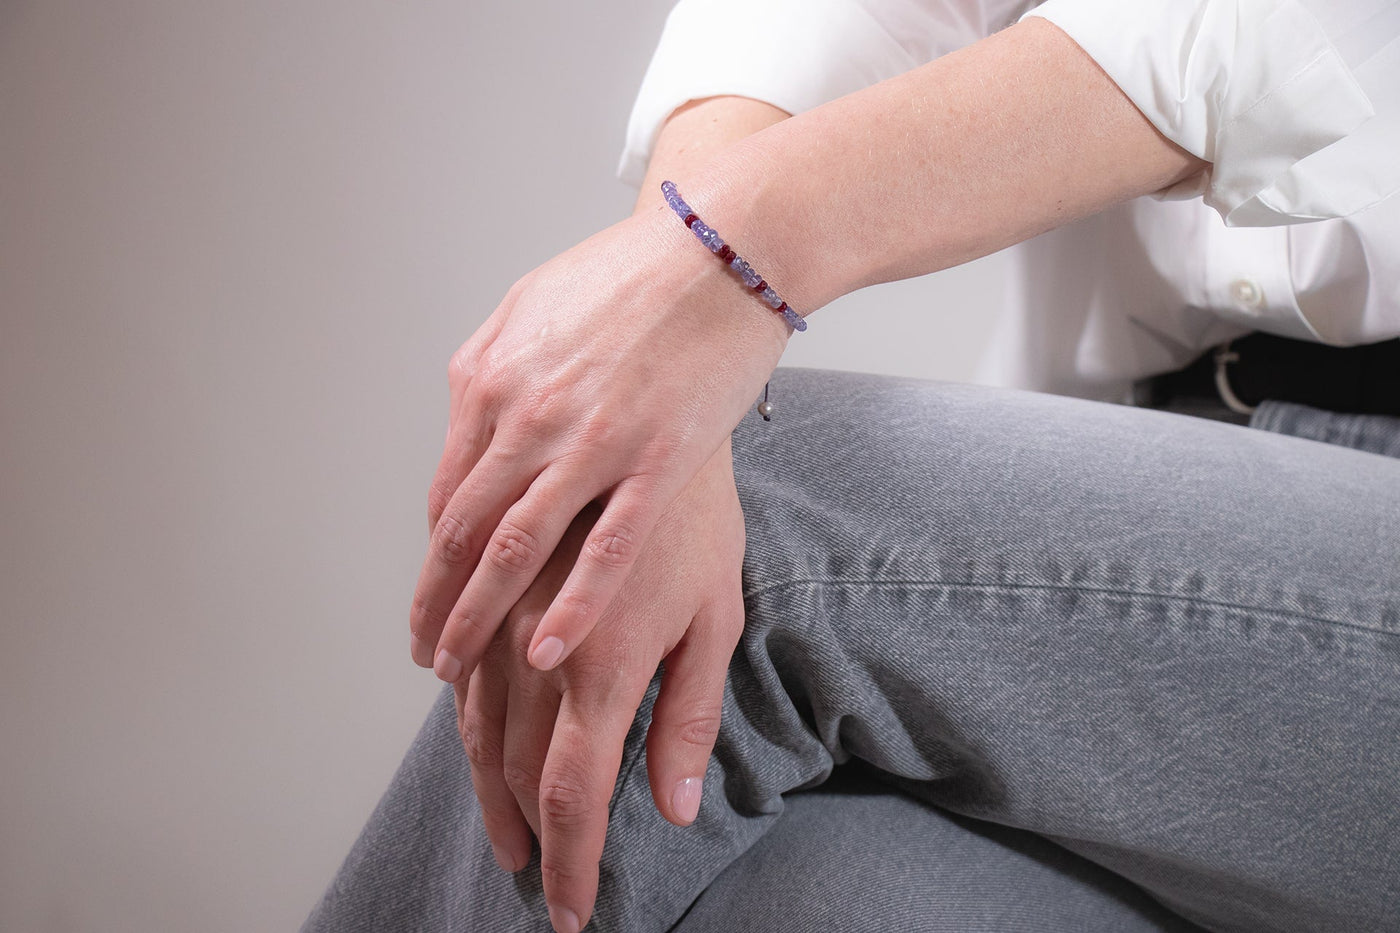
(712, 241)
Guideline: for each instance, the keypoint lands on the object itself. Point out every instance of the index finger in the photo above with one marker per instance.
(575, 789)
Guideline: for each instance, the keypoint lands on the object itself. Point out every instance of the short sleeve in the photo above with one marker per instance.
(1293, 103)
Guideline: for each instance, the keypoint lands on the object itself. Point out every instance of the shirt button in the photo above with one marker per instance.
(1247, 295)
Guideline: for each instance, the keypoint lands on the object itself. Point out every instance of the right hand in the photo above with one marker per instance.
(611, 373)
(545, 747)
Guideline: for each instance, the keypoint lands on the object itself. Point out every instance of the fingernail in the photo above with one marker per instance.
(503, 858)
(447, 667)
(548, 653)
(418, 650)
(564, 920)
(685, 799)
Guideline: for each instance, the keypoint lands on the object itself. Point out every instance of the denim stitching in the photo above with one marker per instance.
(1050, 587)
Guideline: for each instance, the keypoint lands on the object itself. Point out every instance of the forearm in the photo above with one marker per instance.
(695, 133)
(1009, 137)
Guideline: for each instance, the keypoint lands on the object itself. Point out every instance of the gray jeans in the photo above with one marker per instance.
(1076, 666)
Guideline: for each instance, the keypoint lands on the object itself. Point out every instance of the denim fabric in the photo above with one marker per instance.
(855, 855)
(1377, 434)
(1167, 645)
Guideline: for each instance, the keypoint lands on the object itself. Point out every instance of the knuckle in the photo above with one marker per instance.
(489, 377)
(601, 431)
(512, 549)
(523, 780)
(557, 875)
(438, 497)
(496, 812)
(460, 365)
(605, 675)
(483, 746)
(565, 801)
(595, 671)
(422, 618)
(699, 730)
(665, 450)
(534, 422)
(452, 540)
(614, 545)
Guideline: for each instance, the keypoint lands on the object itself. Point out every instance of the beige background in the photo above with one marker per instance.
(238, 242)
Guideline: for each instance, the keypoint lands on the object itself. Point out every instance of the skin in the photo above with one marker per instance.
(576, 471)
(545, 747)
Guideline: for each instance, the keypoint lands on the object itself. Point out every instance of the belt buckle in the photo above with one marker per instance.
(1224, 356)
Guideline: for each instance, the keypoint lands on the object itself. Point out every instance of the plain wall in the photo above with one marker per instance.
(238, 242)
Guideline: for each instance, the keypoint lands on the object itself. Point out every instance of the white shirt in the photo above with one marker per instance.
(1295, 229)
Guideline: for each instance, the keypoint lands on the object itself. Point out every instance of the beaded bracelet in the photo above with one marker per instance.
(707, 236)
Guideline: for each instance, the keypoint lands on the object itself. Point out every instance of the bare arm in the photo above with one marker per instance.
(695, 133)
(977, 150)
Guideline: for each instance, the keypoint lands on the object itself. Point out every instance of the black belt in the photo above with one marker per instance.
(1262, 367)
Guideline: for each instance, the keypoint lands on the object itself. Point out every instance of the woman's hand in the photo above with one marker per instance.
(545, 748)
(610, 373)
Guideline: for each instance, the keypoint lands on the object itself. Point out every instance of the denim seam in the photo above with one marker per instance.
(1050, 587)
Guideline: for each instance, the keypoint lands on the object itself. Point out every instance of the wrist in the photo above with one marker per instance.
(691, 269)
(771, 221)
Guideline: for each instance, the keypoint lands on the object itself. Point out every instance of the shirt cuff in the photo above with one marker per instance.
(793, 54)
(1254, 87)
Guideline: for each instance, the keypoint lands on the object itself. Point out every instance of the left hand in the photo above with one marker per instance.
(545, 747)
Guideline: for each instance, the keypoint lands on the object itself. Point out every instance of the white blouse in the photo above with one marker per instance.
(1295, 228)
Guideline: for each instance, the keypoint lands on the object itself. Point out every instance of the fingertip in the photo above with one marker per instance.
(447, 667)
(685, 799)
(508, 860)
(564, 920)
(547, 654)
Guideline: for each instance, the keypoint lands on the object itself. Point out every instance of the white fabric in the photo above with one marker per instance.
(1296, 103)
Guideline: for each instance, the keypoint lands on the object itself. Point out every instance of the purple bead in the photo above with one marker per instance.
(674, 199)
(708, 236)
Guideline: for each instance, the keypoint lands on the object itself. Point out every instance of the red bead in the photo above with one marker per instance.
(780, 308)
(726, 254)
(760, 286)
(690, 219)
